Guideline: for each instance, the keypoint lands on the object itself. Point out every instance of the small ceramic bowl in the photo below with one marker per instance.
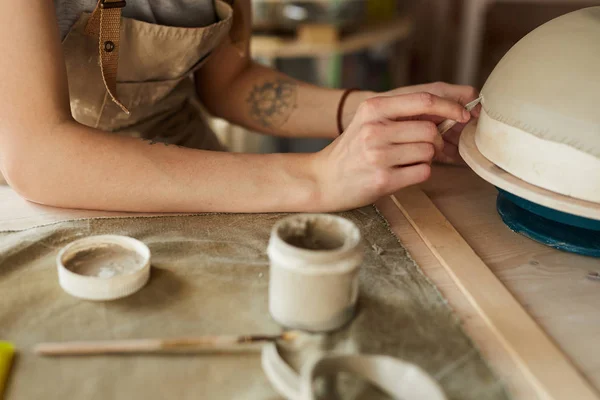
(103, 267)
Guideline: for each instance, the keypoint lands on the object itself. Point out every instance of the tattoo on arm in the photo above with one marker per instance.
(272, 103)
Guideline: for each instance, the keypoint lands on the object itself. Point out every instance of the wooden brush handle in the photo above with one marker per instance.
(148, 345)
(448, 124)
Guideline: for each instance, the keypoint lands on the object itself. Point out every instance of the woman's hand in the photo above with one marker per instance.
(448, 153)
(459, 93)
(388, 145)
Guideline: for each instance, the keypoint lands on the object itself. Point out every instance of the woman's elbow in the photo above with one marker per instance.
(30, 155)
(29, 183)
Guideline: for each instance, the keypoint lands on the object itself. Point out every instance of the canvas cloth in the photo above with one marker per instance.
(210, 276)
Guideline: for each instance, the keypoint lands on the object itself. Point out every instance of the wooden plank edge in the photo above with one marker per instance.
(549, 370)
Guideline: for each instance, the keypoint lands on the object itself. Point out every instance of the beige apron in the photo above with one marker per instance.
(154, 79)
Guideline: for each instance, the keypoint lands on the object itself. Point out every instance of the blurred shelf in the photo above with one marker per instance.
(323, 40)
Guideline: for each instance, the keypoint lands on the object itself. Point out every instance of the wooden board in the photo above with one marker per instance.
(549, 370)
(502, 179)
(487, 343)
(323, 41)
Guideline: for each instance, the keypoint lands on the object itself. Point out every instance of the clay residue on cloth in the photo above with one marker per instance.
(104, 261)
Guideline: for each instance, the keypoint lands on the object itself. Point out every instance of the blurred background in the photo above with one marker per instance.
(383, 44)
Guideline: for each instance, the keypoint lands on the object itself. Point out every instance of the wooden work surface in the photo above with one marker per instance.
(551, 285)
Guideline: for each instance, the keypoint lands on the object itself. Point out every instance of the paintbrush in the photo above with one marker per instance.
(449, 123)
(188, 344)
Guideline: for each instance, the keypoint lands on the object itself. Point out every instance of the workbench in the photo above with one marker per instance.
(551, 285)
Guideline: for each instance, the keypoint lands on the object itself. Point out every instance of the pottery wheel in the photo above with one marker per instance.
(558, 221)
(510, 183)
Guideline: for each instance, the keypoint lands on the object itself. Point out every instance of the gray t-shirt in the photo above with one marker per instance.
(182, 13)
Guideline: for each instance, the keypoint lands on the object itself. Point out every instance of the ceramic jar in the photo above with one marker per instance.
(314, 264)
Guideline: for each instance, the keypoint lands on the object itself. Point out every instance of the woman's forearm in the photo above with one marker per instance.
(271, 102)
(84, 168)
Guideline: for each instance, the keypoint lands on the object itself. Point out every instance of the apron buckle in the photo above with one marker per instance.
(106, 5)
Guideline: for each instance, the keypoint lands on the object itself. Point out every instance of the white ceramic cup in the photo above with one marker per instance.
(313, 283)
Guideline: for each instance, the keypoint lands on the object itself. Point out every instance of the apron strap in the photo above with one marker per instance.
(105, 23)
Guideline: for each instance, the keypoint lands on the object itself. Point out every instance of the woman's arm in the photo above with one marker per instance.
(49, 158)
(235, 88)
(267, 101)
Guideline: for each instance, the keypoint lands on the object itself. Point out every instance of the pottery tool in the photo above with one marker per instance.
(141, 346)
(7, 351)
(448, 124)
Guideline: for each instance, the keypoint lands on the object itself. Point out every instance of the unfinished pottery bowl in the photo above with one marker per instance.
(541, 116)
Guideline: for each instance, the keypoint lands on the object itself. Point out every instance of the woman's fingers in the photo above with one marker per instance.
(408, 132)
(449, 155)
(390, 180)
(390, 144)
(408, 154)
(398, 133)
(392, 108)
(407, 176)
(451, 151)
(461, 94)
(453, 135)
